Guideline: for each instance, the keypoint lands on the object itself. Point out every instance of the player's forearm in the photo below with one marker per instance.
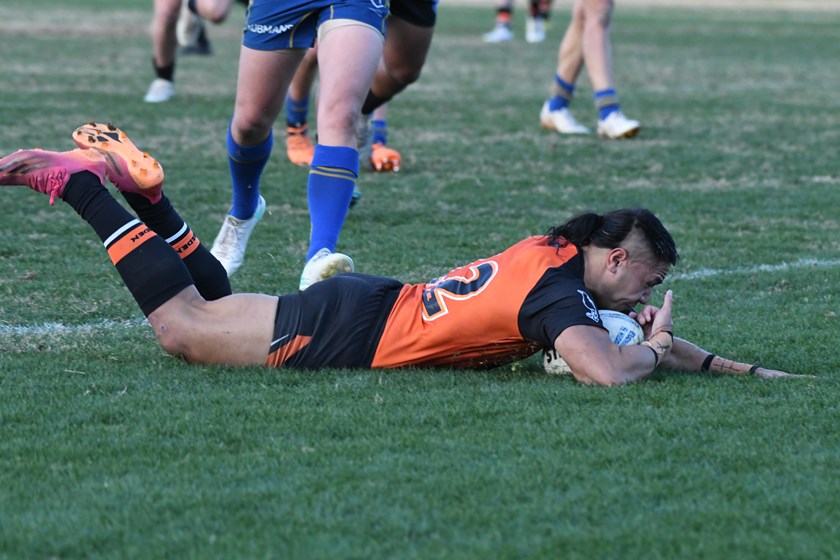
(686, 356)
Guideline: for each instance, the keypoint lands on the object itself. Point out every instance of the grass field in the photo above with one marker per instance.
(111, 449)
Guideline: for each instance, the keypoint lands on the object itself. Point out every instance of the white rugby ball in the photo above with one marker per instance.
(623, 330)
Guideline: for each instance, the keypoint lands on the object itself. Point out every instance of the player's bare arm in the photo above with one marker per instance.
(594, 359)
(687, 356)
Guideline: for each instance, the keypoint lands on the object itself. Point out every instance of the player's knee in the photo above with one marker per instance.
(406, 76)
(175, 338)
(600, 11)
(215, 14)
(250, 129)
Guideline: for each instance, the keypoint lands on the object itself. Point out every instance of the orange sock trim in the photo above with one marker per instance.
(186, 244)
(133, 238)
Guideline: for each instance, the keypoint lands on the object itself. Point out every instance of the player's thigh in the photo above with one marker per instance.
(406, 47)
(345, 80)
(598, 10)
(261, 86)
(166, 11)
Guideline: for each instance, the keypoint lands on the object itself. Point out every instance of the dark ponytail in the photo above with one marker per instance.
(610, 230)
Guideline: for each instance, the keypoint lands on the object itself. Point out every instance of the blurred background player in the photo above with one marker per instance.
(538, 12)
(299, 147)
(587, 40)
(177, 22)
(407, 41)
(277, 36)
(268, 62)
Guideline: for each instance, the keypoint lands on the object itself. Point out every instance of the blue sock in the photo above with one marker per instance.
(561, 94)
(246, 166)
(606, 100)
(297, 111)
(380, 131)
(332, 177)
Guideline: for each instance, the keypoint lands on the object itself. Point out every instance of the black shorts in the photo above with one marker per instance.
(334, 323)
(422, 13)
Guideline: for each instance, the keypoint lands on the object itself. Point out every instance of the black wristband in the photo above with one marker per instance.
(753, 369)
(655, 356)
(707, 362)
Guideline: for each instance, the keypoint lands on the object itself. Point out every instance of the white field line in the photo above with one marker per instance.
(704, 273)
(54, 329)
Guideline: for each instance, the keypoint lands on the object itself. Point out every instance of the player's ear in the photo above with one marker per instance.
(616, 258)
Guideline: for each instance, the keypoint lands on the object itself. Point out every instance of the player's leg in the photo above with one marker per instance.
(140, 179)
(555, 114)
(538, 12)
(235, 330)
(231, 333)
(382, 158)
(502, 29)
(404, 54)
(335, 165)
(214, 11)
(299, 147)
(262, 82)
(407, 43)
(164, 43)
(597, 53)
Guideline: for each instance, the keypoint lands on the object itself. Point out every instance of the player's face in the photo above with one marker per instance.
(634, 282)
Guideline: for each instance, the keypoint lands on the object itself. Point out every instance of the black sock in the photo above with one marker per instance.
(208, 273)
(149, 267)
(372, 102)
(164, 72)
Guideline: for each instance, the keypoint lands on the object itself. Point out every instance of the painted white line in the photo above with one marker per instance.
(53, 329)
(60, 328)
(704, 273)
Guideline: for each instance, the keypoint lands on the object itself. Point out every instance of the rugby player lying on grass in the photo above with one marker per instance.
(542, 292)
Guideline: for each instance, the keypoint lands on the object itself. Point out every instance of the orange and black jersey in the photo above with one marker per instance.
(490, 312)
(487, 313)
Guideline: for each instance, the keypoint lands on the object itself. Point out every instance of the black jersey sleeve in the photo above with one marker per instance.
(559, 300)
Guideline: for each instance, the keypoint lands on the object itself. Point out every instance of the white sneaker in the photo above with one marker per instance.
(323, 265)
(617, 126)
(161, 90)
(562, 121)
(188, 27)
(535, 30)
(500, 34)
(229, 246)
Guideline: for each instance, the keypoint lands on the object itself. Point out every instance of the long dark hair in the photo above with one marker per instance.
(611, 229)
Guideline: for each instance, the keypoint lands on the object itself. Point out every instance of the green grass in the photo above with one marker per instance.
(111, 449)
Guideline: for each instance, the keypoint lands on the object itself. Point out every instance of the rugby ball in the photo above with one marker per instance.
(623, 331)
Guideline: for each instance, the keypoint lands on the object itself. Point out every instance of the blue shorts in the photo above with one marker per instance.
(273, 25)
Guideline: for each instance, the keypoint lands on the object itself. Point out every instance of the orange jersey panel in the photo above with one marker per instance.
(470, 317)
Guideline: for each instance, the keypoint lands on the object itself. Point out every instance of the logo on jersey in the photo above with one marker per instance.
(379, 4)
(261, 29)
(592, 312)
(456, 288)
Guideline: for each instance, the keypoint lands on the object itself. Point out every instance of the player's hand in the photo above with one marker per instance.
(774, 373)
(655, 319)
(645, 316)
(383, 158)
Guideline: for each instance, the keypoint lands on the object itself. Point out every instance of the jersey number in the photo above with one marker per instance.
(455, 288)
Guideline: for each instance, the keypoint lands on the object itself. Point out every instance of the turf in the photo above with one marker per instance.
(111, 449)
